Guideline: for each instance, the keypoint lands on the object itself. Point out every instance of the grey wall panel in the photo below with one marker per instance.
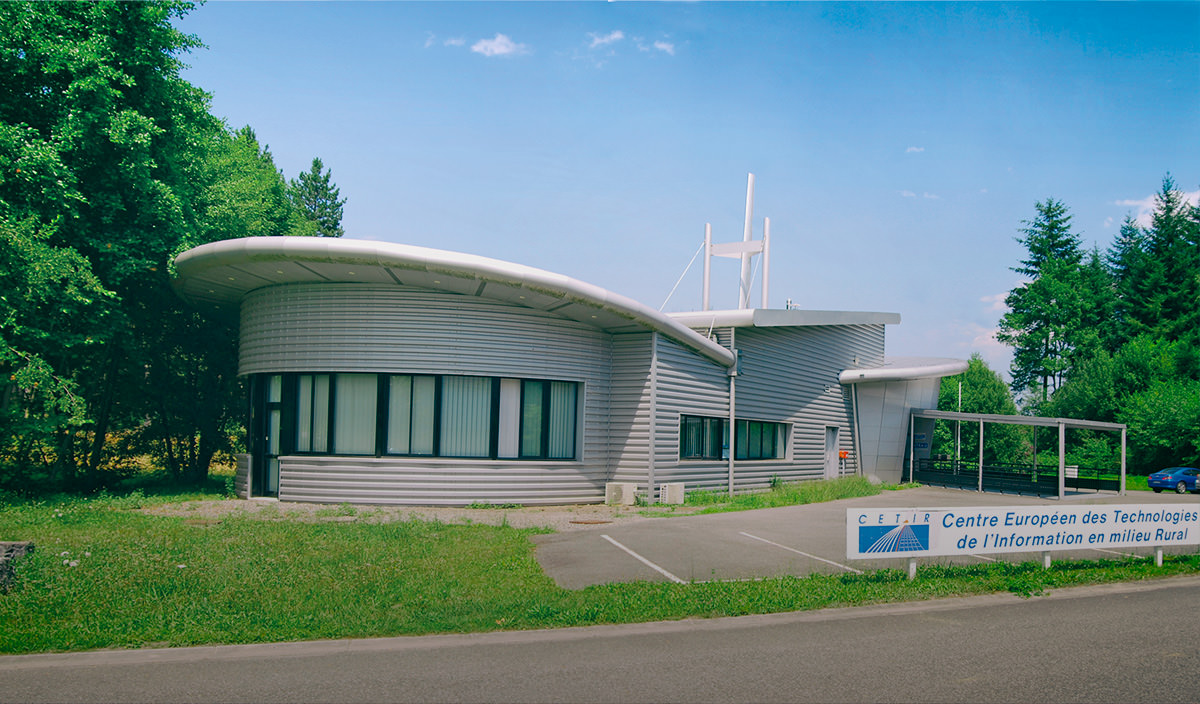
(389, 480)
(687, 385)
(382, 329)
(629, 407)
(790, 374)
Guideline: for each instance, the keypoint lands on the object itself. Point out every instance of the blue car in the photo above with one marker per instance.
(1181, 479)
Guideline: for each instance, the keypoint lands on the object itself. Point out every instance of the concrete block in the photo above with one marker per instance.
(671, 493)
(620, 493)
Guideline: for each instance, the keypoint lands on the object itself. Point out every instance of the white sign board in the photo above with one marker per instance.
(908, 532)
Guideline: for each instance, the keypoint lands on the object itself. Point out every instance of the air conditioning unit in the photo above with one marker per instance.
(671, 493)
(620, 493)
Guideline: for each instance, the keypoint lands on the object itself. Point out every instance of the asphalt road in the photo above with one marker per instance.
(795, 540)
(1119, 643)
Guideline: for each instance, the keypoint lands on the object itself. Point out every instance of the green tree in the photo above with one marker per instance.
(979, 390)
(100, 141)
(315, 196)
(1050, 317)
(1174, 249)
(246, 195)
(110, 164)
(1151, 385)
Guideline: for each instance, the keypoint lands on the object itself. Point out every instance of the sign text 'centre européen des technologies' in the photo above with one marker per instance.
(907, 532)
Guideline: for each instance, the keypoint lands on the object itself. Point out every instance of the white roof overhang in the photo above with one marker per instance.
(218, 275)
(905, 369)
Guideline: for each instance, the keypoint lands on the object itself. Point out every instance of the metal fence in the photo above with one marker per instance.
(1012, 479)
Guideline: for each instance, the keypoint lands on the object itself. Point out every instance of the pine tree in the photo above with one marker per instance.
(1047, 315)
(314, 194)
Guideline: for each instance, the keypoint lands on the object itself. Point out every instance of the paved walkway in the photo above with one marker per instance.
(793, 540)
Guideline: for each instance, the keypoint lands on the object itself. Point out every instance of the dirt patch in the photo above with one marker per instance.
(558, 518)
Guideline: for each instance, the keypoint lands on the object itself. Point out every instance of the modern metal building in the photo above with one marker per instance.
(385, 373)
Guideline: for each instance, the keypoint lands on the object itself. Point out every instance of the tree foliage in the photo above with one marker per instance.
(318, 199)
(1115, 337)
(979, 390)
(1059, 314)
(110, 164)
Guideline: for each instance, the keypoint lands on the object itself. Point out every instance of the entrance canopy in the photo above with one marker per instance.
(983, 418)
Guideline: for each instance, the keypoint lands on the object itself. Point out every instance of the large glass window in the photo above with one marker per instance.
(312, 413)
(466, 416)
(548, 419)
(703, 438)
(410, 415)
(759, 440)
(428, 415)
(561, 443)
(355, 399)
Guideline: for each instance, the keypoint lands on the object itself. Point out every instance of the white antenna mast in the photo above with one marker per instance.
(743, 250)
(747, 236)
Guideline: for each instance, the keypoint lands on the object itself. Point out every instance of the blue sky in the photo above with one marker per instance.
(896, 147)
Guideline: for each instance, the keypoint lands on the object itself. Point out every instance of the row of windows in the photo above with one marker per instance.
(703, 438)
(425, 415)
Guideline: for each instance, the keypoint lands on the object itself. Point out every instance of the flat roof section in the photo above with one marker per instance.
(771, 318)
(216, 276)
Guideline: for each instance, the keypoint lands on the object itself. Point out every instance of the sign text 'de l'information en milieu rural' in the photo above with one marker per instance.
(908, 532)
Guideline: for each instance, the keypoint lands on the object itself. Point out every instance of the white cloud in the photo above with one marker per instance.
(500, 45)
(908, 194)
(995, 302)
(931, 196)
(914, 150)
(604, 40)
(1108, 222)
(1145, 206)
(431, 39)
(667, 47)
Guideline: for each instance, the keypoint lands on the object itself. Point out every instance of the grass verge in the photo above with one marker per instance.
(789, 494)
(105, 575)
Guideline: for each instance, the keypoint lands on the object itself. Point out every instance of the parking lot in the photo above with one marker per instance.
(793, 540)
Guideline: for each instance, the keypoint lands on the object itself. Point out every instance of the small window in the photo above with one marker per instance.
(703, 438)
(760, 440)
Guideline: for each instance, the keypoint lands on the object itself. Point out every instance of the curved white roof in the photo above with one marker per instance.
(219, 274)
(905, 369)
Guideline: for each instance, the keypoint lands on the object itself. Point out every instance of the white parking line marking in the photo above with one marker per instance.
(646, 562)
(798, 552)
(1122, 554)
(981, 557)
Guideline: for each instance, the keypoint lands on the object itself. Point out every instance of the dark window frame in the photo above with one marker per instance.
(290, 417)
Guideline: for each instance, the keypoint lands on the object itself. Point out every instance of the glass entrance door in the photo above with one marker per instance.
(266, 426)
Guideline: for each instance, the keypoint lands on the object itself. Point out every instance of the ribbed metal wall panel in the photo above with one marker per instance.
(390, 329)
(629, 407)
(790, 375)
(438, 482)
(687, 385)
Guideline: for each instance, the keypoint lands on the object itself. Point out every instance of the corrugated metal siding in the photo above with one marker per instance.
(790, 375)
(629, 407)
(428, 482)
(391, 329)
(687, 385)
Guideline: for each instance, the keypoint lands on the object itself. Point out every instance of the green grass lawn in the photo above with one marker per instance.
(106, 575)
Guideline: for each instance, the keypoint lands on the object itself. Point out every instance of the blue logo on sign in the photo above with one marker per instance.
(901, 538)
